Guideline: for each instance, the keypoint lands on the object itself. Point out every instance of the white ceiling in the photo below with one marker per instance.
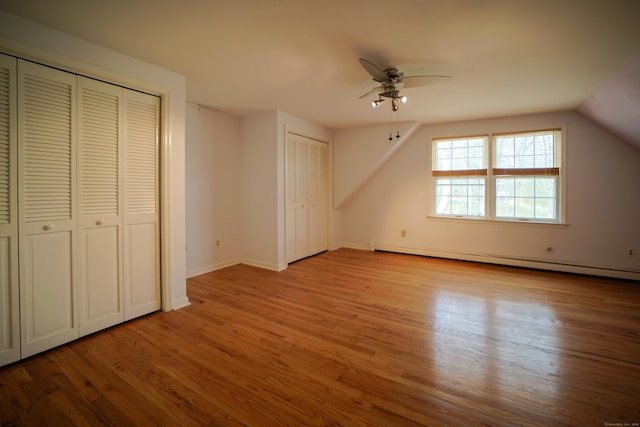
(506, 57)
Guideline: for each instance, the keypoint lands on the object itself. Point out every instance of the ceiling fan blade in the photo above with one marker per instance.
(375, 71)
(378, 89)
(417, 81)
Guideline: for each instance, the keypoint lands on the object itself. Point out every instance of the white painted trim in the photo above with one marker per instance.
(264, 265)
(180, 303)
(209, 268)
(354, 246)
(593, 270)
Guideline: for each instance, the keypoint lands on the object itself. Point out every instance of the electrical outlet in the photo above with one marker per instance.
(631, 251)
(218, 243)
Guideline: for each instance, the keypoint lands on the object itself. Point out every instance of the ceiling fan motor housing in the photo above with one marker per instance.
(393, 74)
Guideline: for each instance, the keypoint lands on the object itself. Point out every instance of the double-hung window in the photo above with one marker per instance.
(509, 177)
(526, 169)
(460, 175)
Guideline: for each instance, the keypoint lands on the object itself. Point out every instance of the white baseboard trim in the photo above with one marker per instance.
(209, 268)
(355, 246)
(262, 264)
(181, 303)
(565, 267)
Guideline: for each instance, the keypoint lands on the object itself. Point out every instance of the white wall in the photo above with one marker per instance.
(259, 201)
(212, 189)
(33, 41)
(603, 201)
(263, 181)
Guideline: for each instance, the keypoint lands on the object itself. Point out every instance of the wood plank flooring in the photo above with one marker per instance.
(353, 338)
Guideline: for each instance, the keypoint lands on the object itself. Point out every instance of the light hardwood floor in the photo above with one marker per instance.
(353, 338)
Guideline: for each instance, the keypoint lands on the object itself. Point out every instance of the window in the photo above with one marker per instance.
(460, 170)
(521, 183)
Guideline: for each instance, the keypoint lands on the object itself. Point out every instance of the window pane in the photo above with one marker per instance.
(505, 207)
(505, 187)
(526, 197)
(525, 207)
(546, 208)
(460, 154)
(546, 187)
(527, 150)
(525, 187)
(460, 196)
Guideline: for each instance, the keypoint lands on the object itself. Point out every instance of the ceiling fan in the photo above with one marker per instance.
(391, 81)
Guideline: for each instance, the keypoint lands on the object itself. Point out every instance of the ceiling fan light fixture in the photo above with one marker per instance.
(376, 103)
(403, 99)
(394, 104)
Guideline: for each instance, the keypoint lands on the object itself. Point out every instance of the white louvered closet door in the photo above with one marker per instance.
(306, 197)
(290, 197)
(302, 197)
(297, 192)
(141, 204)
(46, 155)
(318, 219)
(100, 201)
(9, 302)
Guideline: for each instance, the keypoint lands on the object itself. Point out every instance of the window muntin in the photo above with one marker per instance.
(524, 173)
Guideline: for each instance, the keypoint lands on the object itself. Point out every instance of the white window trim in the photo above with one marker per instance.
(490, 208)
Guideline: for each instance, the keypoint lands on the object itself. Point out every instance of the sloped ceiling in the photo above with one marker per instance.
(506, 57)
(615, 105)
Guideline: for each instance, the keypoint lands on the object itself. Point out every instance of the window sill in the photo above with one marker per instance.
(498, 221)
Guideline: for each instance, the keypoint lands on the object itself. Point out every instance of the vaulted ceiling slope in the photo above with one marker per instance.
(507, 57)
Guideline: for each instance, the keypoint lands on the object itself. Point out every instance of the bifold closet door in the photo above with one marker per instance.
(318, 218)
(9, 302)
(47, 205)
(297, 222)
(306, 197)
(100, 201)
(141, 226)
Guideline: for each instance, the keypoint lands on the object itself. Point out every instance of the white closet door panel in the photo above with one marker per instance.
(9, 301)
(7, 139)
(291, 195)
(141, 136)
(100, 146)
(46, 176)
(102, 295)
(323, 186)
(47, 154)
(301, 232)
(290, 231)
(100, 200)
(302, 172)
(313, 171)
(141, 250)
(47, 292)
(318, 217)
(302, 198)
(318, 229)
(142, 270)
